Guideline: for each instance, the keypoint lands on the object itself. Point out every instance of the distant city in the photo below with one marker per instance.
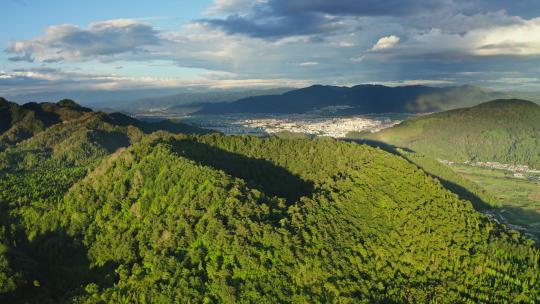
(311, 124)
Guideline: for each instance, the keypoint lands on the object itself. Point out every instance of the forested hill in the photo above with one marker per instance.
(20, 122)
(362, 98)
(506, 131)
(237, 219)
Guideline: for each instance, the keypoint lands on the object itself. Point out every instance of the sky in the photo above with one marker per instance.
(64, 45)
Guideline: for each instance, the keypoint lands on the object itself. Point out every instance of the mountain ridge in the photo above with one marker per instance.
(182, 102)
(21, 122)
(365, 98)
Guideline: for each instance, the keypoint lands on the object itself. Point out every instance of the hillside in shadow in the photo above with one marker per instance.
(260, 174)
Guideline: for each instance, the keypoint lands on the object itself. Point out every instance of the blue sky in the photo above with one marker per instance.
(68, 46)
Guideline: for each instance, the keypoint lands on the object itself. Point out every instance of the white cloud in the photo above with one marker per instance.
(521, 38)
(46, 79)
(409, 82)
(346, 44)
(69, 42)
(308, 63)
(220, 7)
(516, 80)
(517, 83)
(387, 42)
(358, 59)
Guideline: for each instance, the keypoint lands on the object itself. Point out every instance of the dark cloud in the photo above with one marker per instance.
(356, 8)
(523, 8)
(53, 60)
(272, 27)
(25, 57)
(276, 19)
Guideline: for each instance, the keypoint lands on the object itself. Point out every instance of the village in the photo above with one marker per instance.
(517, 170)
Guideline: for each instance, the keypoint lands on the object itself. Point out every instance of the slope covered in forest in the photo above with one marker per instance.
(179, 218)
(63, 143)
(506, 131)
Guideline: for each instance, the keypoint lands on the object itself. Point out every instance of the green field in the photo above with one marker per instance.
(520, 197)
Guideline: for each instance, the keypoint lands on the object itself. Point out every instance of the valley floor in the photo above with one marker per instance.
(519, 194)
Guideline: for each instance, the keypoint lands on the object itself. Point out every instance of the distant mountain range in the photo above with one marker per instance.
(183, 102)
(361, 99)
(140, 100)
(506, 131)
(93, 98)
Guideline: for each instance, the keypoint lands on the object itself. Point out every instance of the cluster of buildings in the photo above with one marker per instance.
(517, 169)
(311, 124)
(322, 126)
